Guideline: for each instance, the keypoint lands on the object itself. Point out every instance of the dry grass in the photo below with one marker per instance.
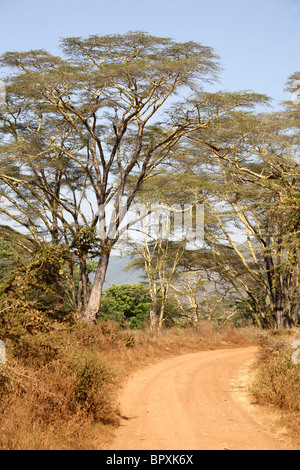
(59, 390)
(277, 380)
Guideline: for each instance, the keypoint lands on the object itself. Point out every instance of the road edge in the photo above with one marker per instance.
(268, 417)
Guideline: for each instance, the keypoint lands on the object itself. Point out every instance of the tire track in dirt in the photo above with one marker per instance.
(186, 403)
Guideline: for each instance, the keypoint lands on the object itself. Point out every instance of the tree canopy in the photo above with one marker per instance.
(118, 117)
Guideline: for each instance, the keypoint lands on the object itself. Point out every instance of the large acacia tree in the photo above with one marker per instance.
(252, 190)
(78, 128)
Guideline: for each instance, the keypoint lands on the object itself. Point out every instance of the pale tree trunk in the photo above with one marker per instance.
(83, 289)
(85, 284)
(153, 312)
(161, 316)
(195, 307)
(92, 310)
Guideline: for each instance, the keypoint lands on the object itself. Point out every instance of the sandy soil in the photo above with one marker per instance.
(192, 402)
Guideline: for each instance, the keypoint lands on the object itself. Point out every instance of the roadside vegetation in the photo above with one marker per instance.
(276, 380)
(59, 389)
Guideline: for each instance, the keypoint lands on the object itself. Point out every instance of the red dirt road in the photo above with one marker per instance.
(186, 403)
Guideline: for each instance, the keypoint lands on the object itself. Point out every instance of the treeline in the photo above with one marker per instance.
(128, 116)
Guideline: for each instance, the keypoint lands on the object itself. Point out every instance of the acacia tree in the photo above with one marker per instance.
(165, 235)
(42, 192)
(159, 257)
(256, 191)
(104, 94)
(200, 292)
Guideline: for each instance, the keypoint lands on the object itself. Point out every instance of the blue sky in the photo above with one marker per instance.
(257, 41)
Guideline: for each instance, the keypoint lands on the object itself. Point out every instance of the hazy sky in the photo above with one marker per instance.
(257, 41)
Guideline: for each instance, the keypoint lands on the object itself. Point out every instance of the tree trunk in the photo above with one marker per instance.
(85, 283)
(196, 309)
(153, 311)
(278, 309)
(161, 316)
(279, 320)
(83, 288)
(92, 310)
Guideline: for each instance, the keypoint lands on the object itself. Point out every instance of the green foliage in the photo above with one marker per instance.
(252, 310)
(80, 130)
(15, 248)
(33, 295)
(85, 241)
(127, 304)
(130, 304)
(7, 257)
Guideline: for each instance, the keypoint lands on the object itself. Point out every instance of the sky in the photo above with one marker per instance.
(257, 41)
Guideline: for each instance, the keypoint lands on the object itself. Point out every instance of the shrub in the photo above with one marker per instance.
(57, 390)
(91, 380)
(33, 296)
(277, 378)
(127, 304)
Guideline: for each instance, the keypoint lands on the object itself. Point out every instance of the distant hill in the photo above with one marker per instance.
(116, 274)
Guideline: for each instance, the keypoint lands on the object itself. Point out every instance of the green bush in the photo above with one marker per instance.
(127, 304)
(33, 295)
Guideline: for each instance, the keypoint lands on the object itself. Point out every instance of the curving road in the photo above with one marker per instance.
(186, 403)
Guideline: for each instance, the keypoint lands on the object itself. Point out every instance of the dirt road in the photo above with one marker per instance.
(186, 403)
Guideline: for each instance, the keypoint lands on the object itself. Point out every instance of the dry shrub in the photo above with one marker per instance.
(233, 336)
(173, 341)
(277, 381)
(58, 401)
(208, 334)
(277, 378)
(56, 404)
(24, 427)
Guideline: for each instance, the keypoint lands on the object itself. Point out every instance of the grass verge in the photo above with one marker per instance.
(276, 380)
